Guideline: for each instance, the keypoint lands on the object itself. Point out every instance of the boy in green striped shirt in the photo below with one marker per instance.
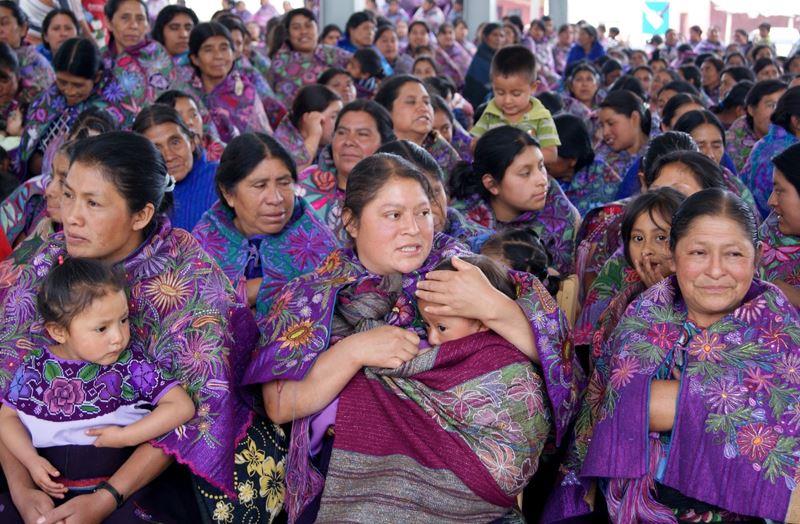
(513, 75)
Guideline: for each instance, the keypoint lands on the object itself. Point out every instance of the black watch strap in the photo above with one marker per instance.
(111, 489)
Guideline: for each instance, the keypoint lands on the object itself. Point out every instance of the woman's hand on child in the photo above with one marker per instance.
(454, 293)
(109, 437)
(42, 473)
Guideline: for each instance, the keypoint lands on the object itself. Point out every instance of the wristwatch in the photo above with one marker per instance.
(111, 489)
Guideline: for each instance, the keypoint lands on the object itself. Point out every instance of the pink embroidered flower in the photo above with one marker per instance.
(624, 370)
(63, 395)
(751, 311)
(756, 441)
(529, 391)
(757, 379)
(661, 335)
(706, 347)
(725, 396)
(500, 461)
(775, 337)
(789, 368)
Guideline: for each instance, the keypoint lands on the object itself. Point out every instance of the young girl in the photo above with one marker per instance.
(443, 329)
(88, 390)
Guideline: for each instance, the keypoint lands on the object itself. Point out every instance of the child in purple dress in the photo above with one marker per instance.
(91, 389)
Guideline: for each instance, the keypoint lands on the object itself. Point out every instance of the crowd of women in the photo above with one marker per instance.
(252, 269)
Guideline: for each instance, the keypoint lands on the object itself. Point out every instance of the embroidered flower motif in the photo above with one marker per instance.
(660, 335)
(300, 334)
(402, 313)
(19, 388)
(750, 312)
(109, 385)
(64, 395)
(144, 376)
(527, 390)
(706, 347)
(725, 396)
(247, 492)
(271, 482)
(758, 380)
(756, 441)
(774, 337)
(789, 368)
(624, 370)
(499, 460)
(252, 456)
(167, 291)
(223, 512)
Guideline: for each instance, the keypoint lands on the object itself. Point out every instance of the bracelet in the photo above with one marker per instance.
(111, 489)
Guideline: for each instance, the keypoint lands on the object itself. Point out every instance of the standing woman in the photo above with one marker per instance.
(361, 128)
(478, 84)
(508, 187)
(142, 66)
(780, 232)
(309, 126)
(81, 83)
(409, 104)
(58, 26)
(300, 59)
(783, 132)
(182, 308)
(35, 73)
(754, 125)
(231, 100)
(260, 233)
(192, 174)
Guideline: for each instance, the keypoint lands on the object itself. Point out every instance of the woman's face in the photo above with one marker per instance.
(736, 61)
(332, 38)
(442, 124)
(439, 204)
(215, 58)
(584, 39)
(238, 43)
(329, 121)
(650, 240)
(174, 146)
(424, 69)
(129, 24)
(446, 37)
(677, 176)
(619, 131)
(657, 66)
(263, 201)
(412, 112)
(176, 34)
(75, 88)
(785, 203)
(362, 35)
(611, 77)
(54, 188)
(190, 115)
(769, 72)
(524, 184)
(709, 140)
(764, 52)
(714, 262)
(645, 78)
(565, 38)
(355, 138)
(303, 34)
(395, 230)
(509, 35)
(97, 221)
(660, 79)
(10, 31)
(402, 29)
(637, 59)
(9, 86)
(726, 83)
(462, 32)
(762, 112)
(387, 44)
(709, 76)
(496, 39)
(60, 30)
(343, 85)
(584, 86)
(418, 36)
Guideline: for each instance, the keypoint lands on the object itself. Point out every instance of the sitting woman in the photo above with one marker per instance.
(409, 105)
(361, 128)
(446, 219)
(81, 83)
(683, 420)
(142, 66)
(340, 82)
(260, 233)
(308, 127)
(581, 99)
(191, 111)
(300, 59)
(478, 84)
(358, 310)
(57, 27)
(388, 45)
(230, 98)
(748, 129)
(625, 123)
(171, 29)
(508, 187)
(685, 171)
(37, 200)
(183, 310)
(780, 232)
(587, 180)
(35, 74)
(783, 132)
(192, 175)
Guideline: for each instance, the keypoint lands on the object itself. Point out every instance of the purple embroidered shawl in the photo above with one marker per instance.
(291, 70)
(736, 435)
(299, 325)
(183, 310)
(781, 257)
(144, 70)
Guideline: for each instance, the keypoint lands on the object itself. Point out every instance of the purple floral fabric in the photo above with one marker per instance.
(291, 70)
(35, 73)
(143, 71)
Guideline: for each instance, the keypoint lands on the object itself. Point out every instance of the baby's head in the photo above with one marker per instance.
(85, 310)
(443, 329)
(522, 250)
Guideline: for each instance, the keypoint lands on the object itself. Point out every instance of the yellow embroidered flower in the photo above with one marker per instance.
(167, 291)
(247, 492)
(252, 456)
(298, 334)
(271, 483)
(223, 512)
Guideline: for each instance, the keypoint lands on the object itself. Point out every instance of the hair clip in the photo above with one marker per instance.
(170, 183)
(60, 260)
